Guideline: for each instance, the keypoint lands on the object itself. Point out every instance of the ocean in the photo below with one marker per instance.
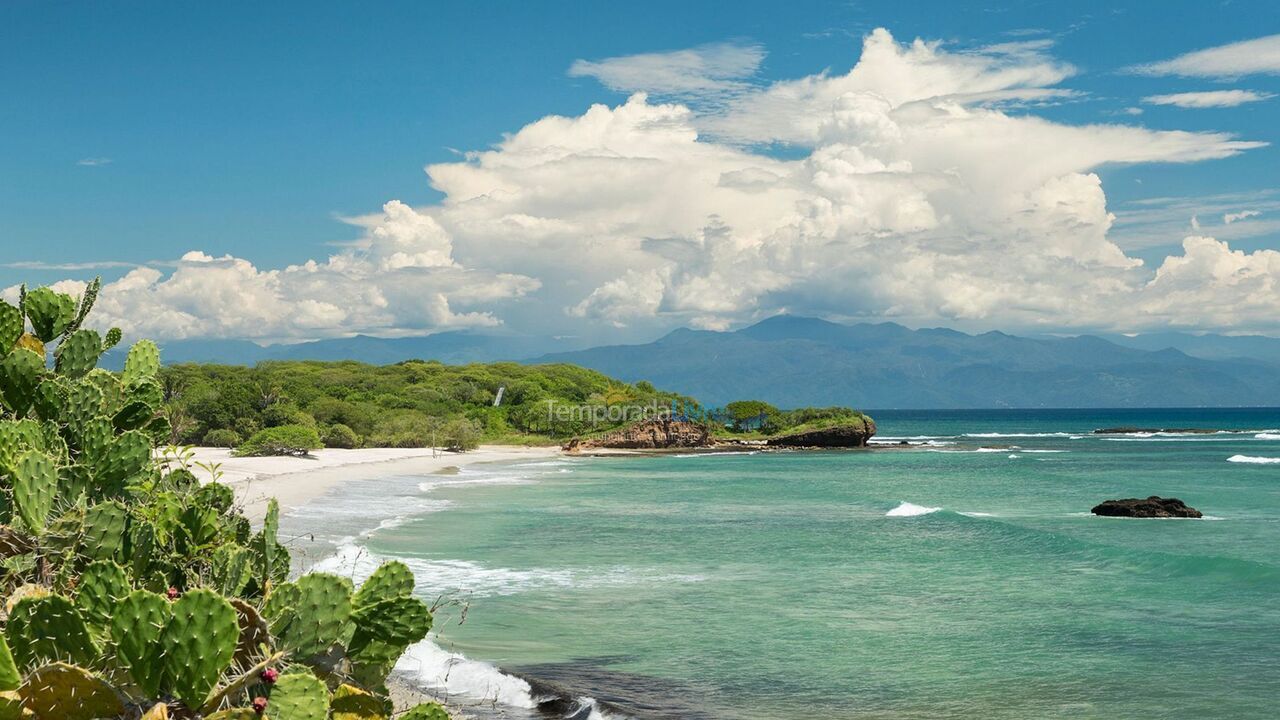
(962, 578)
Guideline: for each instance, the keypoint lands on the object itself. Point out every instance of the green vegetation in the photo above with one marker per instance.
(133, 590)
(753, 418)
(409, 404)
(281, 440)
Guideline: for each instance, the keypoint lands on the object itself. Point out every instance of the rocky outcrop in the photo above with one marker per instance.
(1152, 507)
(837, 436)
(648, 435)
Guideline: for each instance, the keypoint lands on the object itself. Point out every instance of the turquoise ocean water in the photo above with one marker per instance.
(963, 578)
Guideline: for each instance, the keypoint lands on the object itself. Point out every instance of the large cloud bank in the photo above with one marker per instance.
(920, 186)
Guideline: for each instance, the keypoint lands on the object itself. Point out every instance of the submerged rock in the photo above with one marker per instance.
(1152, 507)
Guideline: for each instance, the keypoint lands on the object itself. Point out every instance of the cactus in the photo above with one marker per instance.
(20, 373)
(128, 456)
(141, 546)
(86, 304)
(390, 581)
(234, 714)
(102, 586)
(198, 644)
(136, 628)
(159, 711)
(230, 569)
(50, 313)
(319, 616)
(426, 711)
(105, 527)
(51, 398)
(78, 354)
(299, 696)
(352, 703)
(254, 633)
(396, 623)
(10, 678)
(35, 484)
(83, 405)
(142, 363)
(11, 326)
(46, 629)
(65, 692)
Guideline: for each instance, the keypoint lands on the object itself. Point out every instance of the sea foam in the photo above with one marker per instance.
(1267, 436)
(1253, 460)
(907, 509)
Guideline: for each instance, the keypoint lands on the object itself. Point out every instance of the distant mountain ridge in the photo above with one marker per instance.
(793, 361)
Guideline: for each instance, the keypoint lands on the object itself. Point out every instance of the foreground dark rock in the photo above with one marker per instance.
(648, 435)
(839, 436)
(1152, 507)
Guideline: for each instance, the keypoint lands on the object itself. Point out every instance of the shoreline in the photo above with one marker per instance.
(295, 481)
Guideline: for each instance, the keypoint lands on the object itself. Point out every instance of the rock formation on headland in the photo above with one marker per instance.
(836, 436)
(1152, 507)
(652, 434)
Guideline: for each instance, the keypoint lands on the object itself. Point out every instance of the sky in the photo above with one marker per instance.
(610, 171)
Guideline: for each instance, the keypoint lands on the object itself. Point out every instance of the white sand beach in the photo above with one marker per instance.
(296, 480)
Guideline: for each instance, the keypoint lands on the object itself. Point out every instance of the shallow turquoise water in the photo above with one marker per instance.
(778, 586)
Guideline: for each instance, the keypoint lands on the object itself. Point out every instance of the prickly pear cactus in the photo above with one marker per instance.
(50, 313)
(78, 354)
(426, 711)
(143, 362)
(319, 616)
(105, 526)
(102, 586)
(398, 623)
(299, 695)
(20, 373)
(65, 692)
(230, 569)
(48, 628)
(10, 678)
(128, 456)
(11, 326)
(352, 703)
(390, 581)
(198, 644)
(136, 628)
(35, 485)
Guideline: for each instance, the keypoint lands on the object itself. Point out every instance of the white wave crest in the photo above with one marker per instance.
(1267, 436)
(1017, 435)
(1253, 460)
(459, 677)
(907, 509)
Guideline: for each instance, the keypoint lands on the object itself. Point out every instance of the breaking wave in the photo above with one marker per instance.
(1254, 460)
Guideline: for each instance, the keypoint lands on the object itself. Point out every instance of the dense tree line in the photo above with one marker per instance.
(408, 404)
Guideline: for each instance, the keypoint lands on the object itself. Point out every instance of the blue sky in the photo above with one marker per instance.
(134, 133)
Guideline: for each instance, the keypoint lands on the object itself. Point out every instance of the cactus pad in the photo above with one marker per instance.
(105, 527)
(79, 353)
(319, 616)
(142, 363)
(66, 692)
(50, 398)
(230, 568)
(35, 485)
(102, 586)
(159, 711)
(128, 456)
(299, 696)
(50, 312)
(48, 628)
(198, 644)
(136, 627)
(397, 623)
(352, 703)
(390, 581)
(253, 633)
(427, 711)
(11, 326)
(10, 678)
(84, 403)
(234, 714)
(20, 373)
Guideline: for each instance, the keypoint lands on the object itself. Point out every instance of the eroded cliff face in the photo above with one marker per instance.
(838, 436)
(648, 435)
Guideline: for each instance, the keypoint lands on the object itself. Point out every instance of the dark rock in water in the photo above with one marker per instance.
(1152, 507)
(1144, 431)
(854, 434)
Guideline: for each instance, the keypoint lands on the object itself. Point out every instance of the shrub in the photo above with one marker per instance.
(281, 440)
(222, 438)
(341, 436)
(461, 435)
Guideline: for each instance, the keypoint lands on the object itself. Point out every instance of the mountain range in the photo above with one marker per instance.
(795, 361)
